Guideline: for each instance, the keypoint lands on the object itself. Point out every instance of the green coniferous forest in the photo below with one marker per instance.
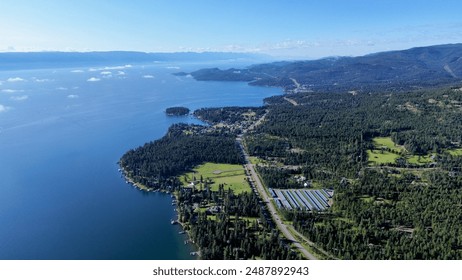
(393, 160)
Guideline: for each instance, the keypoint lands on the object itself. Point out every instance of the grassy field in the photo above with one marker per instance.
(256, 160)
(422, 160)
(231, 175)
(379, 157)
(388, 143)
(455, 152)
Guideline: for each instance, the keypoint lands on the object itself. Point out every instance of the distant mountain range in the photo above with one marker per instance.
(394, 70)
(34, 60)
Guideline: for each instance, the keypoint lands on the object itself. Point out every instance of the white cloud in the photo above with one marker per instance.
(3, 108)
(42, 80)
(19, 98)
(16, 79)
(120, 73)
(62, 88)
(93, 79)
(106, 74)
(72, 96)
(127, 66)
(77, 71)
(121, 67)
(148, 76)
(12, 90)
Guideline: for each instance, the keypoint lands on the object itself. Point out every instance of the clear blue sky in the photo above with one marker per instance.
(289, 28)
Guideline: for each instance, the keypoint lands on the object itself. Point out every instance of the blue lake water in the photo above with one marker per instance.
(62, 132)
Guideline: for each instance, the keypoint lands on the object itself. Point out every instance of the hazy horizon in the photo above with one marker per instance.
(282, 29)
(269, 56)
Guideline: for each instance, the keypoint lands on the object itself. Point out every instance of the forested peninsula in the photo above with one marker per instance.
(221, 214)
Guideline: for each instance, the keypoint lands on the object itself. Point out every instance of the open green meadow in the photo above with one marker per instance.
(455, 152)
(386, 152)
(421, 159)
(388, 143)
(256, 160)
(381, 157)
(230, 175)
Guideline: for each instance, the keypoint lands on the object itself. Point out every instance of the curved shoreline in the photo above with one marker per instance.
(174, 197)
(132, 182)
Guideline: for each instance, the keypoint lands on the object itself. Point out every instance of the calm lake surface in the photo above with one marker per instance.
(62, 132)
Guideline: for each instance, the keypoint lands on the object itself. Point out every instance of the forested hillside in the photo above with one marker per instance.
(393, 159)
(391, 71)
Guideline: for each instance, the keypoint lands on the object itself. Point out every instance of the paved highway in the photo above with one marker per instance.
(274, 214)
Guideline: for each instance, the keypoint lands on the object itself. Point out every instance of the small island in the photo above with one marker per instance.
(177, 111)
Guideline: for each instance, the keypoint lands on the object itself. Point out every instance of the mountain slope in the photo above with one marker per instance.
(423, 66)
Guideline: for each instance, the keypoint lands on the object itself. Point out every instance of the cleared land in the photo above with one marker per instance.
(456, 152)
(388, 143)
(381, 157)
(387, 152)
(232, 176)
(256, 160)
(421, 159)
